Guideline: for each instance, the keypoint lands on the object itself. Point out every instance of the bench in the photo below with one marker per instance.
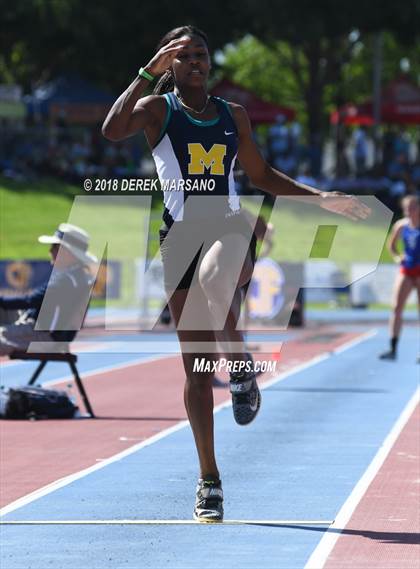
(44, 358)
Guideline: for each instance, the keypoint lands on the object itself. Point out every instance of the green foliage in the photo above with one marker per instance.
(271, 70)
(108, 40)
(297, 52)
(265, 70)
(305, 21)
(357, 73)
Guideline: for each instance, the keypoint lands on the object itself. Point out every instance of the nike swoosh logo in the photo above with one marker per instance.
(255, 406)
(227, 133)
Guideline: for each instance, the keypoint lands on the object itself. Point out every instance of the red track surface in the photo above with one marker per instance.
(131, 404)
(384, 531)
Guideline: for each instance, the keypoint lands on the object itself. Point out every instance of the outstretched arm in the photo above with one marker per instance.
(33, 300)
(263, 176)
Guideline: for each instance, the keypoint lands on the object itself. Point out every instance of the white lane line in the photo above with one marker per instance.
(110, 368)
(25, 500)
(355, 341)
(321, 553)
(164, 522)
(82, 347)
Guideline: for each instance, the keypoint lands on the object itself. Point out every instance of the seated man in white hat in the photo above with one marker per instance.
(53, 312)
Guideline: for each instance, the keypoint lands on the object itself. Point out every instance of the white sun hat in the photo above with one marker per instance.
(73, 238)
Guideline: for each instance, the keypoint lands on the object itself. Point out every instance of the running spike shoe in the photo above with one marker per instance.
(209, 500)
(246, 397)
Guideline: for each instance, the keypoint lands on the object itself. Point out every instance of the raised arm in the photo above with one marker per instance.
(133, 112)
(263, 176)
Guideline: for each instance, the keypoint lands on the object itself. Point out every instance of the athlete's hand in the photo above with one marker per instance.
(346, 205)
(165, 56)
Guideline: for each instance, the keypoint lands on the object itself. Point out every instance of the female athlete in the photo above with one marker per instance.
(197, 137)
(406, 230)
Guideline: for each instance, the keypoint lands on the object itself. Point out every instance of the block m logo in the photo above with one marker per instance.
(200, 159)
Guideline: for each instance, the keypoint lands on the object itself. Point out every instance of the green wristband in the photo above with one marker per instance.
(145, 74)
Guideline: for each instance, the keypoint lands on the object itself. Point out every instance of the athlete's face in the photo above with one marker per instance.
(191, 66)
(411, 208)
(54, 251)
(61, 257)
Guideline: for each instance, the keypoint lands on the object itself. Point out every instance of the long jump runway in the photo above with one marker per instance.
(325, 436)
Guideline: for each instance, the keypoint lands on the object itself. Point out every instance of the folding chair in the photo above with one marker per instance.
(44, 358)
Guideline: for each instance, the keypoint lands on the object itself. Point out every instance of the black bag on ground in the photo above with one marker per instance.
(36, 403)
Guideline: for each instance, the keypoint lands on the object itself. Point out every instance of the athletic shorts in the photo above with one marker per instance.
(410, 272)
(203, 234)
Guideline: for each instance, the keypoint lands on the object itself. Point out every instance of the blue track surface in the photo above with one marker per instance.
(317, 432)
(19, 373)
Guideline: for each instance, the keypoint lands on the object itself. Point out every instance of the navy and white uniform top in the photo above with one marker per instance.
(196, 158)
(411, 239)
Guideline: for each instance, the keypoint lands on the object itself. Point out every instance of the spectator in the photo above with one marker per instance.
(387, 148)
(402, 144)
(398, 167)
(54, 311)
(282, 151)
(415, 174)
(360, 151)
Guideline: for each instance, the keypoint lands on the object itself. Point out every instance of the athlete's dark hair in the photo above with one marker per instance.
(166, 82)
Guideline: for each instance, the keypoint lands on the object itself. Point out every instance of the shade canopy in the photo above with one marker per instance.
(71, 97)
(400, 104)
(259, 111)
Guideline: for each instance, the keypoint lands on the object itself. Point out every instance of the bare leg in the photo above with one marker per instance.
(417, 285)
(222, 273)
(402, 289)
(198, 392)
(225, 268)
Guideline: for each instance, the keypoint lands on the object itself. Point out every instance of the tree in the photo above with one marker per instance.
(270, 71)
(104, 40)
(108, 40)
(322, 42)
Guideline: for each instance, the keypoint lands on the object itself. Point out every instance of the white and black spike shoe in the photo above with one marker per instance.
(209, 500)
(246, 397)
